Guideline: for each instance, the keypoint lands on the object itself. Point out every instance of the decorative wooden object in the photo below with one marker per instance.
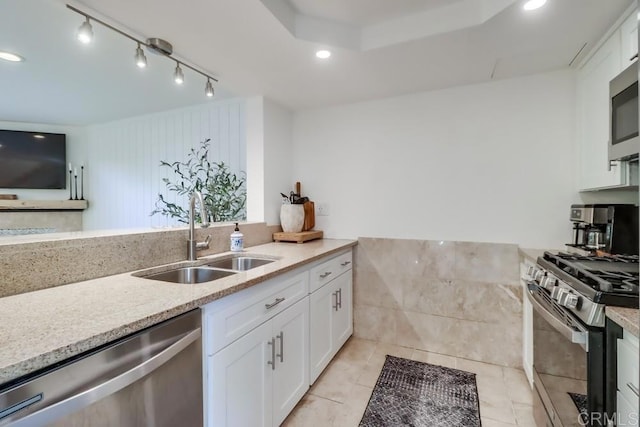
(301, 237)
(8, 196)
(57, 205)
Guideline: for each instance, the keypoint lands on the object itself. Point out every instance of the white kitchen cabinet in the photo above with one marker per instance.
(257, 342)
(593, 118)
(627, 380)
(291, 370)
(612, 56)
(241, 382)
(527, 323)
(629, 40)
(331, 320)
(258, 379)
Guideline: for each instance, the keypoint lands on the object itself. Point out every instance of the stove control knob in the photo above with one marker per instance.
(572, 301)
(538, 275)
(548, 282)
(530, 271)
(557, 293)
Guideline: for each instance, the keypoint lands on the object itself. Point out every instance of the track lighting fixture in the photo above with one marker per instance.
(154, 45)
(141, 60)
(178, 75)
(85, 32)
(208, 90)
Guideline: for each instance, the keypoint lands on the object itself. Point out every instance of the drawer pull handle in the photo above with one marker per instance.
(325, 275)
(272, 362)
(634, 389)
(344, 264)
(273, 304)
(280, 336)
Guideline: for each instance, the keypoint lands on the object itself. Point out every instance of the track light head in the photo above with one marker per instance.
(85, 32)
(178, 75)
(155, 45)
(141, 60)
(208, 90)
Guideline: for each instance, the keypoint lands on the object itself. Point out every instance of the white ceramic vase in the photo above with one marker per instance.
(292, 218)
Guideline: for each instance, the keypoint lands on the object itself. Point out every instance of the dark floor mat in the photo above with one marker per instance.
(416, 394)
(580, 400)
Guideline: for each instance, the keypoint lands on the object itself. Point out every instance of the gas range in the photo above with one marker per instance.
(584, 285)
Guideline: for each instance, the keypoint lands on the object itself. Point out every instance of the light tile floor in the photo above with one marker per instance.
(339, 397)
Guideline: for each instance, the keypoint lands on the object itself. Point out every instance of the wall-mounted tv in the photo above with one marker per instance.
(32, 160)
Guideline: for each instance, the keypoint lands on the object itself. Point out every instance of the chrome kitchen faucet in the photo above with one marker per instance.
(192, 245)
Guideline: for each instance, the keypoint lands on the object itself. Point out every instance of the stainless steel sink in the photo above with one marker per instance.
(190, 275)
(240, 263)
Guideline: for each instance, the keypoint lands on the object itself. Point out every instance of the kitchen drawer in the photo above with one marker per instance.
(229, 318)
(344, 262)
(628, 371)
(329, 270)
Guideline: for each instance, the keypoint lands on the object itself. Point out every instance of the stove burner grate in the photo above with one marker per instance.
(610, 275)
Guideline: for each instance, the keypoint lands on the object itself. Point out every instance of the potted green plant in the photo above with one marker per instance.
(224, 192)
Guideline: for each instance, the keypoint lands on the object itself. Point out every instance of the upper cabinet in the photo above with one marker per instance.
(614, 55)
(629, 40)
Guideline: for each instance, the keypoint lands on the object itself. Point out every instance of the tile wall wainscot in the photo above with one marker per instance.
(455, 298)
(34, 262)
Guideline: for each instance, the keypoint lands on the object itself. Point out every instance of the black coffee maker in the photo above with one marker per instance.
(609, 228)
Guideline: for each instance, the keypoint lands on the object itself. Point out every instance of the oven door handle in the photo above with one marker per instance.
(576, 334)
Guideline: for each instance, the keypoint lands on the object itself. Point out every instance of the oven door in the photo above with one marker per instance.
(561, 358)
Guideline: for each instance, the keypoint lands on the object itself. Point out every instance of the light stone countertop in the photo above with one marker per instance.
(628, 318)
(44, 327)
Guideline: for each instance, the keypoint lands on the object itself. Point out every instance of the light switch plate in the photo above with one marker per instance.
(322, 209)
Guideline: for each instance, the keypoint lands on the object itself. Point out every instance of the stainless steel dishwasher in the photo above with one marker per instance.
(151, 378)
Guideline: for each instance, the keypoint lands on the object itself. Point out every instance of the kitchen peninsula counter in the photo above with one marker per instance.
(44, 327)
(628, 318)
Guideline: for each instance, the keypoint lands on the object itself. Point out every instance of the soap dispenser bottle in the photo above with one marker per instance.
(237, 240)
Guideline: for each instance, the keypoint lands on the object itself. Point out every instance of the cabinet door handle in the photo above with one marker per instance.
(335, 307)
(280, 336)
(273, 304)
(634, 389)
(344, 264)
(325, 275)
(340, 298)
(633, 57)
(272, 362)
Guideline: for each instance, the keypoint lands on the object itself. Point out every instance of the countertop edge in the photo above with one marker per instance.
(15, 371)
(628, 318)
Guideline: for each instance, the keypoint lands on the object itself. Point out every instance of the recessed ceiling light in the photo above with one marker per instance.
(323, 54)
(7, 56)
(534, 4)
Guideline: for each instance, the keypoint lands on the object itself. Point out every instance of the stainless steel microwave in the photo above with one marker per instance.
(624, 142)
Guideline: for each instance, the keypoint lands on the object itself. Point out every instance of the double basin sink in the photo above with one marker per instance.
(209, 271)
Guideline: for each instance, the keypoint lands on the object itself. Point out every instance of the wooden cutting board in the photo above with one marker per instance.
(309, 216)
(301, 237)
(8, 197)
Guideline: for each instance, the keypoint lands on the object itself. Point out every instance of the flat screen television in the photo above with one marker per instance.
(32, 160)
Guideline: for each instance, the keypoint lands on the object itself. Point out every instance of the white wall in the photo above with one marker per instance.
(269, 158)
(278, 135)
(122, 163)
(490, 162)
(75, 139)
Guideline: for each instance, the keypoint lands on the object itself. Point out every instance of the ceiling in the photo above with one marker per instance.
(380, 48)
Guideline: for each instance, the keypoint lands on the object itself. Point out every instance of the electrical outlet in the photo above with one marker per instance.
(322, 209)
